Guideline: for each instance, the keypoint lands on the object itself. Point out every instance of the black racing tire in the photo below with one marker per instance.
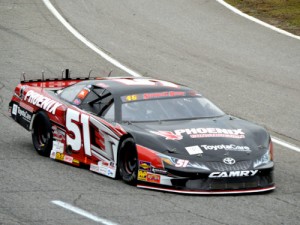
(128, 161)
(42, 137)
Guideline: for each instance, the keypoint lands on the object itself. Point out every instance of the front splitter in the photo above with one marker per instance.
(215, 192)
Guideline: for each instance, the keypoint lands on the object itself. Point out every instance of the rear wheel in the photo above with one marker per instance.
(128, 161)
(42, 134)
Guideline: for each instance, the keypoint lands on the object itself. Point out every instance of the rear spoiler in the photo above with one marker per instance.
(64, 81)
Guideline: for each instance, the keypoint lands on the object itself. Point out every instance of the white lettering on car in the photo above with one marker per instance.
(24, 114)
(41, 101)
(210, 131)
(201, 133)
(226, 147)
(182, 163)
(244, 173)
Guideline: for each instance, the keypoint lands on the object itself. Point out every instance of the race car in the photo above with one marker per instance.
(151, 133)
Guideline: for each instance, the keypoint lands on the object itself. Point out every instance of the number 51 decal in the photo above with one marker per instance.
(73, 120)
(182, 163)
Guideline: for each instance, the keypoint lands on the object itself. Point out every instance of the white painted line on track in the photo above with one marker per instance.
(83, 212)
(285, 144)
(130, 71)
(87, 42)
(235, 10)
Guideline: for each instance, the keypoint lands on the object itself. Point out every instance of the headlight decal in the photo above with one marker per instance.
(182, 163)
(266, 158)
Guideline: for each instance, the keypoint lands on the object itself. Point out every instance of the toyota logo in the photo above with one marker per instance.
(229, 161)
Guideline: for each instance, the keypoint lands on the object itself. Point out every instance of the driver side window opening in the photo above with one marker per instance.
(99, 101)
(69, 94)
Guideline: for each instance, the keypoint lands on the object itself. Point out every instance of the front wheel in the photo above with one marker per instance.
(42, 134)
(128, 161)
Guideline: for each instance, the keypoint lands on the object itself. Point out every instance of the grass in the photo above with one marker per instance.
(284, 14)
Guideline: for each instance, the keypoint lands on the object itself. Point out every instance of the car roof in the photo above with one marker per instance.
(132, 85)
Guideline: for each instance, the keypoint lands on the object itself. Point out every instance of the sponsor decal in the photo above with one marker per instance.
(94, 167)
(142, 175)
(105, 163)
(112, 165)
(211, 132)
(130, 98)
(102, 170)
(153, 178)
(68, 159)
(24, 114)
(14, 109)
(244, 173)
(76, 161)
(105, 169)
(226, 148)
(83, 93)
(154, 95)
(58, 146)
(59, 156)
(201, 133)
(159, 171)
(194, 150)
(41, 101)
(144, 165)
(181, 163)
(110, 173)
(229, 161)
(177, 93)
(53, 154)
(58, 134)
(169, 135)
(77, 101)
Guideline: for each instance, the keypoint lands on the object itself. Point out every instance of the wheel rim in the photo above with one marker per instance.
(42, 135)
(130, 162)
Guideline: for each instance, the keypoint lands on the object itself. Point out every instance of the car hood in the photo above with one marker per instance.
(203, 139)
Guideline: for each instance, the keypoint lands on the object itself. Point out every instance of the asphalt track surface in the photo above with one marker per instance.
(248, 70)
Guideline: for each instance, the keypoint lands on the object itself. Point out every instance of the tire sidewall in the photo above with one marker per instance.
(126, 177)
(41, 119)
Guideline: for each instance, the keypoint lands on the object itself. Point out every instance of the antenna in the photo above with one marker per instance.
(90, 74)
(43, 73)
(23, 74)
(110, 73)
(67, 74)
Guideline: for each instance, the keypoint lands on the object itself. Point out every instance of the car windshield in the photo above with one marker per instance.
(178, 108)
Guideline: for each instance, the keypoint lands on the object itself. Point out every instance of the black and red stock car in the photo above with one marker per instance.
(152, 133)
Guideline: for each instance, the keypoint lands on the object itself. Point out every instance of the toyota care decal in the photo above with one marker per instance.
(201, 133)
